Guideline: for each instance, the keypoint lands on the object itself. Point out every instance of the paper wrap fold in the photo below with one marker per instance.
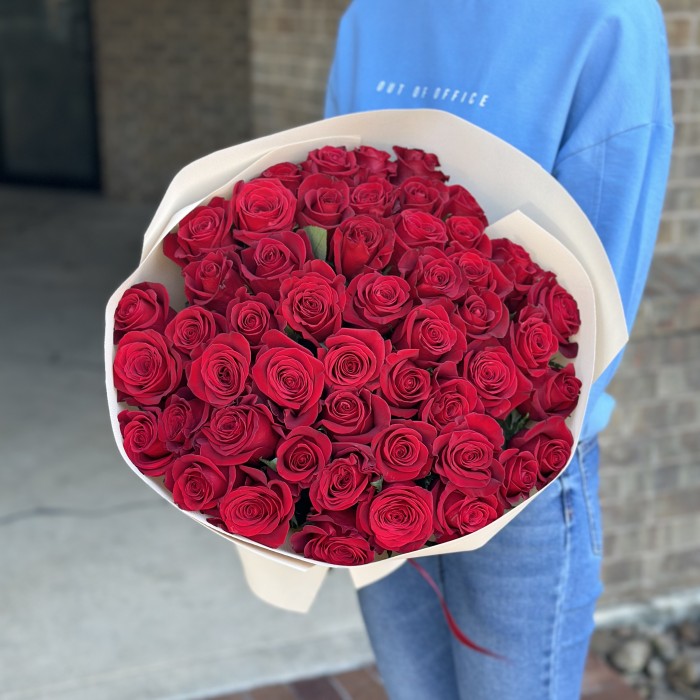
(527, 205)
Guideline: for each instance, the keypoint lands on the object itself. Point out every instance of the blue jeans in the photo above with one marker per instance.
(528, 595)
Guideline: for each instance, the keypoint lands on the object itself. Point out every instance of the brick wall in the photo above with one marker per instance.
(650, 473)
(173, 84)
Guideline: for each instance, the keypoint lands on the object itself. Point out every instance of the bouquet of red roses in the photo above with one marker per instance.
(335, 358)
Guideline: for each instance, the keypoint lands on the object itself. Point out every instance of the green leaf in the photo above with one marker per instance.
(319, 241)
(378, 483)
(271, 463)
(555, 365)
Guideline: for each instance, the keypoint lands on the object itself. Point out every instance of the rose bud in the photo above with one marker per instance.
(532, 341)
(145, 368)
(263, 205)
(556, 394)
(467, 456)
(404, 385)
(484, 314)
(183, 416)
(289, 174)
(332, 160)
(272, 258)
(423, 194)
(550, 442)
(290, 376)
(196, 483)
(516, 264)
(435, 331)
(353, 357)
(193, 328)
(323, 201)
(480, 273)
(377, 301)
(142, 444)
(417, 229)
(302, 454)
(312, 301)
(205, 229)
(467, 233)
(353, 416)
(521, 474)
(398, 519)
(452, 398)
(213, 280)
(142, 307)
(561, 309)
(361, 243)
(343, 481)
(219, 375)
(375, 197)
(252, 316)
(462, 203)
(374, 163)
(238, 434)
(403, 450)
(431, 274)
(325, 538)
(260, 511)
(414, 161)
(501, 386)
(458, 514)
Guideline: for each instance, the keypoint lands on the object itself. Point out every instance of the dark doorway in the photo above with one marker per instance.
(47, 99)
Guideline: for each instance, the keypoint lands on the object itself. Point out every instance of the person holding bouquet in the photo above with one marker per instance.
(583, 88)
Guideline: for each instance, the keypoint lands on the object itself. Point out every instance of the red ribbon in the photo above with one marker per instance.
(452, 624)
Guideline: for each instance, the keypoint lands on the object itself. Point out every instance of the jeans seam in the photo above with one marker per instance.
(593, 530)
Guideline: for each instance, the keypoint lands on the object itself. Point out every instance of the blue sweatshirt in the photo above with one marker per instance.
(581, 86)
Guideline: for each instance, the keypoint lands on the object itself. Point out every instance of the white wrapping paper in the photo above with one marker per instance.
(527, 205)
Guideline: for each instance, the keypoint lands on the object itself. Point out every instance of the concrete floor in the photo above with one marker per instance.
(106, 592)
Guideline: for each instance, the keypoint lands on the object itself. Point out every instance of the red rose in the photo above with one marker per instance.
(182, 417)
(360, 243)
(521, 475)
(219, 375)
(259, 511)
(484, 315)
(500, 384)
(467, 233)
(352, 358)
(352, 416)
(403, 450)
(451, 399)
(196, 483)
(264, 205)
(399, 518)
(417, 229)
(290, 376)
(414, 161)
(212, 280)
(375, 197)
(205, 229)
(480, 273)
(431, 273)
(193, 328)
(458, 514)
(433, 330)
(556, 394)
(142, 445)
(332, 160)
(145, 368)
(324, 538)
(550, 442)
(517, 265)
(343, 481)
(374, 163)
(142, 307)
(404, 385)
(462, 203)
(562, 310)
(423, 194)
(312, 301)
(467, 455)
(377, 301)
(302, 454)
(532, 341)
(272, 259)
(238, 434)
(323, 201)
(251, 316)
(289, 174)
